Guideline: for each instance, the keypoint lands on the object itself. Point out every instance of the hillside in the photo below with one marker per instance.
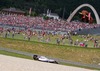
(76, 54)
(41, 6)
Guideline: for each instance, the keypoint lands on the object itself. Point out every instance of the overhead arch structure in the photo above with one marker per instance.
(81, 6)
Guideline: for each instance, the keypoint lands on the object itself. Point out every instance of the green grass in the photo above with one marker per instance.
(72, 53)
(14, 54)
(53, 39)
(28, 57)
(81, 66)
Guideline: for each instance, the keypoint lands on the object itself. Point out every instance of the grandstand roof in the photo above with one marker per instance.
(11, 9)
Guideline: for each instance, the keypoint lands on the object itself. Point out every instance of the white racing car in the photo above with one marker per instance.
(44, 59)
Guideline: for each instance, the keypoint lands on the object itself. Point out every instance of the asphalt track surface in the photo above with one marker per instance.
(8, 63)
(58, 60)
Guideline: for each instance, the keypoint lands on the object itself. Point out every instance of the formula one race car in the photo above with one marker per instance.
(44, 59)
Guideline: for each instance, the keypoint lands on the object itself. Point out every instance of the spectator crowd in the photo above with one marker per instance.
(28, 22)
(40, 23)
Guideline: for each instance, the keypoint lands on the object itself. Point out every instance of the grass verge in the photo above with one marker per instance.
(71, 53)
(28, 57)
(15, 54)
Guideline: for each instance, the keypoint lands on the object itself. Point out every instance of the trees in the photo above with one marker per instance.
(41, 6)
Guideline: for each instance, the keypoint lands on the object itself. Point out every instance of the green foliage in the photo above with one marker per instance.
(45, 17)
(73, 53)
(41, 6)
(34, 14)
(14, 54)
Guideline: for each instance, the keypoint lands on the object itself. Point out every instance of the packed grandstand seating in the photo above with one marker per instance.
(40, 23)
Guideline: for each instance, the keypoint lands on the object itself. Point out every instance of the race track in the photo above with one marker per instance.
(8, 63)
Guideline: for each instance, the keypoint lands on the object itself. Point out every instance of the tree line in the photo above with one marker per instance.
(62, 7)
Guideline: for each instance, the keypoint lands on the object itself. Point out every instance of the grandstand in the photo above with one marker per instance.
(51, 31)
(25, 22)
